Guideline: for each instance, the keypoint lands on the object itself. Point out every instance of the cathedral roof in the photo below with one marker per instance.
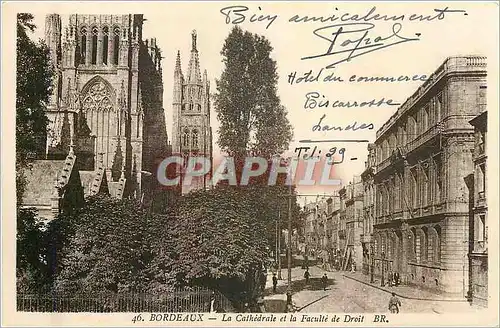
(40, 179)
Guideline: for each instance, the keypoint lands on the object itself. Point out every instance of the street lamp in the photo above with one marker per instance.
(372, 264)
(382, 284)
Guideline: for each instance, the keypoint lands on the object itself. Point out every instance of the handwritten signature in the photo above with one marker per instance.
(351, 40)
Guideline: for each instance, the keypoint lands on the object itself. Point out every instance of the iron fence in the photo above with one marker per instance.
(180, 300)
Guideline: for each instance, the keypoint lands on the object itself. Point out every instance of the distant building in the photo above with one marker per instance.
(367, 177)
(106, 117)
(478, 251)
(191, 131)
(352, 196)
(423, 152)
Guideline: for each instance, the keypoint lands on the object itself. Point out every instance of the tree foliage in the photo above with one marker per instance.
(33, 84)
(107, 251)
(31, 265)
(33, 87)
(252, 120)
(222, 243)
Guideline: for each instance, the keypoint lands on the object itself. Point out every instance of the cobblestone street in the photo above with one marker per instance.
(345, 294)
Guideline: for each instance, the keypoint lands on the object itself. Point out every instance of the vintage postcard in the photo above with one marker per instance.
(309, 164)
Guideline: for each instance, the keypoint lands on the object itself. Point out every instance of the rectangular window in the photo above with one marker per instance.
(425, 118)
(439, 187)
(482, 186)
(438, 105)
(481, 231)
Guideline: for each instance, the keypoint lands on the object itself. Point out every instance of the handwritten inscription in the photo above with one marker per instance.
(350, 127)
(237, 15)
(326, 76)
(329, 155)
(372, 15)
(344, 37)
(316, 100)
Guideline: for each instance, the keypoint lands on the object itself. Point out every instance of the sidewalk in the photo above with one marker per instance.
(404, 291)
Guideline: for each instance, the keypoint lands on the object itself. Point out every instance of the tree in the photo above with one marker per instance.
(219, 244)
(31, 265)
(108, 249)
(252, 120)
(33, 87)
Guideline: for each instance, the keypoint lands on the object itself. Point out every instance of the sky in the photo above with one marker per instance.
(471, 32)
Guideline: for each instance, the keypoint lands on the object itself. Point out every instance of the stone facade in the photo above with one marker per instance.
(352, 197)
(478, 251)
(106, 103)
(192, 133)
(423, 152)
(369, 211)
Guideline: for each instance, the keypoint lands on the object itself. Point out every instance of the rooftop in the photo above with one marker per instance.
(456, 64)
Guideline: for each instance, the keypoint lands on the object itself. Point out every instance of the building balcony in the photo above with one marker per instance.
(423, 138)
(480, 247)
(481, 199)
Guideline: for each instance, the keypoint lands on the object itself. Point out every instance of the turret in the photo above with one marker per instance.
(53, 41)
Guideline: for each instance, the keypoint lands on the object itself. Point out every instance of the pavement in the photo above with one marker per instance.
(352, 293)
(403, 291)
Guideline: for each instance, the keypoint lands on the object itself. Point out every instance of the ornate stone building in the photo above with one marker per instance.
(106, 105)
(191, 132)
(478, 250)
(423, 153)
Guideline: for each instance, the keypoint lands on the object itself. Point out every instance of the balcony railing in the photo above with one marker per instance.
(423, 138)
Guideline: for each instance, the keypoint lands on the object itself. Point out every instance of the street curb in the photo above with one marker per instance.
(407, 297)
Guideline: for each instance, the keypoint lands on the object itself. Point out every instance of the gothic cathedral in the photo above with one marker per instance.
(191, 131)
(106, 107)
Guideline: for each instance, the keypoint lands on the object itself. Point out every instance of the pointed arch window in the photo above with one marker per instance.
(97, 97)
(195, 138)
(105, 42)
(93, 48)
(185, 139)
(83, 44)
(116, 45)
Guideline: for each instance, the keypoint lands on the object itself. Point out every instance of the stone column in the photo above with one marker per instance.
(404, 254)
(88, 52)
(111, 38)
(99, 47)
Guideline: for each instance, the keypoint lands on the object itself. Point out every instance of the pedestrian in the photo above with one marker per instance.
(275, 282)
(353, 267)
(307, 275)
(212, 303)
(324, 281)
(394, 304)
(396, 279)
(263, 280)
(389, 278)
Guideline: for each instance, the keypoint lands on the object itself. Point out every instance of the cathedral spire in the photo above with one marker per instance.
(193, 41)
(178, 68)
(194, 74)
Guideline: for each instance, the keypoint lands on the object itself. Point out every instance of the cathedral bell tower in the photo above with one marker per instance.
(192, 134)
